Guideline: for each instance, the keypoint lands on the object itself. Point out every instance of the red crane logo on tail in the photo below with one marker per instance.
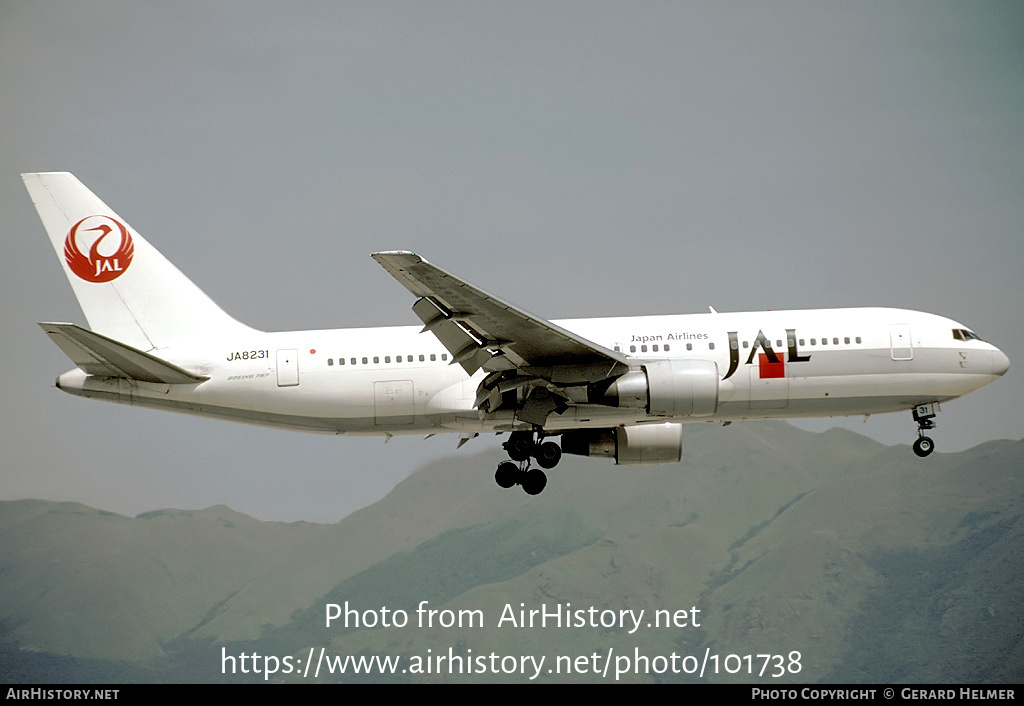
(108, 257)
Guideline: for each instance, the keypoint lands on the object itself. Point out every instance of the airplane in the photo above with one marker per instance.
(618, 388)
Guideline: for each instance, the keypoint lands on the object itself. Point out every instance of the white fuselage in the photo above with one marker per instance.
(394, 380)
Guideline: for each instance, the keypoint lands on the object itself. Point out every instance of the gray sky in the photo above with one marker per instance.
(578, 158)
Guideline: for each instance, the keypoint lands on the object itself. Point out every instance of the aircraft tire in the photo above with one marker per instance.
(519, 446)
(548, 454)
(507, 474)
(534, 481)
(923, 446)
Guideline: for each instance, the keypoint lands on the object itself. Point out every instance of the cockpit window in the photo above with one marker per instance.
(962, 334)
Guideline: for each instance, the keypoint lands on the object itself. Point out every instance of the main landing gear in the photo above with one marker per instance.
(521, 447)
(924, 415)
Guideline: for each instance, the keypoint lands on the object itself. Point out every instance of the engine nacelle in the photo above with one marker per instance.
(666, 388)
(637, 445)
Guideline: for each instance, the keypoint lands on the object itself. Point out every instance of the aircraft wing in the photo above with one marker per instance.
(481, 330)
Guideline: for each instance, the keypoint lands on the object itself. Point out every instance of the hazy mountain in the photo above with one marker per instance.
(873, 564)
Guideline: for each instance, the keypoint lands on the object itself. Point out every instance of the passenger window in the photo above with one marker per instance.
(433, 356)
(330, 362)
(643, 348)
(689, 346)
(444, 356)
(353, 361)
(421, 357)
(666, 347)
(814, 341)
(711, 346)
(778, 343)
(376, 359)
(735, 345)
(857, 339)
(387, 359)
(632, 349)
(654, 348)
(365, 361)
(801, 341)
(846, 340)
(835, 341)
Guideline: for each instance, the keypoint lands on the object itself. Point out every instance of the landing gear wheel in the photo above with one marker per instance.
(923, 446)
(548, 454)
(924, 415)
(534, 481)
(507, 474)
(519, 446)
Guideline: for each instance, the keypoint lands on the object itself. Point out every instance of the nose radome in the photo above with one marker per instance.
(1000, 363)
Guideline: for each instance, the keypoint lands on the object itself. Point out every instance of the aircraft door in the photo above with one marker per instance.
(393, 402)
(287, 367)
(899, 338)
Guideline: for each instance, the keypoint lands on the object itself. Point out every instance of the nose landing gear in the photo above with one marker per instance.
(521, 447)
(923, 446)
(924, 415)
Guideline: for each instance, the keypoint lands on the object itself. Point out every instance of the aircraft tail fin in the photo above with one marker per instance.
(105, 357)
(128, 291)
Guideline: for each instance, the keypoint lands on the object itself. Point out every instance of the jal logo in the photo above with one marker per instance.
(770, 363)
(108, 243)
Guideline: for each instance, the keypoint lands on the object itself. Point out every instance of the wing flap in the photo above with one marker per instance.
(482, 330)
(105, 357)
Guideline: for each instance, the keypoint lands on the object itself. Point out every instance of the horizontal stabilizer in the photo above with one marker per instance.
(105, 357)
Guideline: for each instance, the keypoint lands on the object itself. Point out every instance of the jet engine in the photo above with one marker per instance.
(637, 445)
(666, 388)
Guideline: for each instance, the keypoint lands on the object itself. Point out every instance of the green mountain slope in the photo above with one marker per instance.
(873, 564)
